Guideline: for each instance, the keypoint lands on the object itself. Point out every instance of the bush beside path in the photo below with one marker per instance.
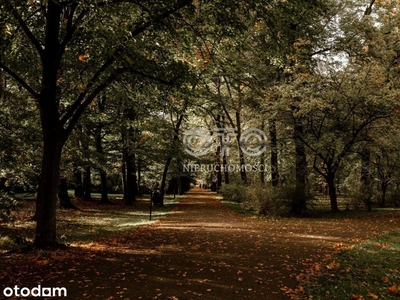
(201, 251)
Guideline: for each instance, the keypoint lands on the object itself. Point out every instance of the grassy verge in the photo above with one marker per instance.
(369, 270)
(239, 208)
(92, 222)
(318, 208)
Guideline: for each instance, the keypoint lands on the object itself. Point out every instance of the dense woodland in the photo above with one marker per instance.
(100, 94)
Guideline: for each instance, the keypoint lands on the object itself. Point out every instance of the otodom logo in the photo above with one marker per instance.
(38, 291)
(198, 141)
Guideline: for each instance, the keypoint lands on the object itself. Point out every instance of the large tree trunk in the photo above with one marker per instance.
(384, 187)
(104, 188)
(225, 168)
(169, 158)
(128, 136)
(274, 153)
(87, 176)
(164, 178)
(139, 177)
(243, 174)
(365, 178)
(130, 178)
(123, 173)
(99, 148)
(53, 135)
(224, 158)
(79, 192)
(218, 168)
(299, 201)
(262, 170)
(63, 196)
(103, 174)
(48, 188)
(330, 180)
(134, 176)
(87, 184)
(262, 160)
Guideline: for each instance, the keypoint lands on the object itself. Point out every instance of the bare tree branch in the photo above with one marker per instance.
(19, 80)
(117, 52)
(26, 29)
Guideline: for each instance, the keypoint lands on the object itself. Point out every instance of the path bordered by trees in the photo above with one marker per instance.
(201, 251)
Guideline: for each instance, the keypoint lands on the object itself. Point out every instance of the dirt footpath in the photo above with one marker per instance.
(203, 251)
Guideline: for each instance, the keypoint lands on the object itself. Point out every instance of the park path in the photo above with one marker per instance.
(205, 251)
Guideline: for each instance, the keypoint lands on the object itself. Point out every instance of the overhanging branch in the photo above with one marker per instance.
(26, 29)
(117, 52)
(19, 80)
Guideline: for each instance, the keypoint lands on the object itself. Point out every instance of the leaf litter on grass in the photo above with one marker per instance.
(368, 270)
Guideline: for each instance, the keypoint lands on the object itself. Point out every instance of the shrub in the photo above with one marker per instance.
(267, 200)
(233, 192)
(7, 203)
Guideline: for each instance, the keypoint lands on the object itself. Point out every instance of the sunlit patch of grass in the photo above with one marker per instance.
(6, 242)
(369, 270)
(239, 208)
(92, 222)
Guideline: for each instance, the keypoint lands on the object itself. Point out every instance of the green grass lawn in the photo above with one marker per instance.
(92, 222)
(318, 208)
(369, 270)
